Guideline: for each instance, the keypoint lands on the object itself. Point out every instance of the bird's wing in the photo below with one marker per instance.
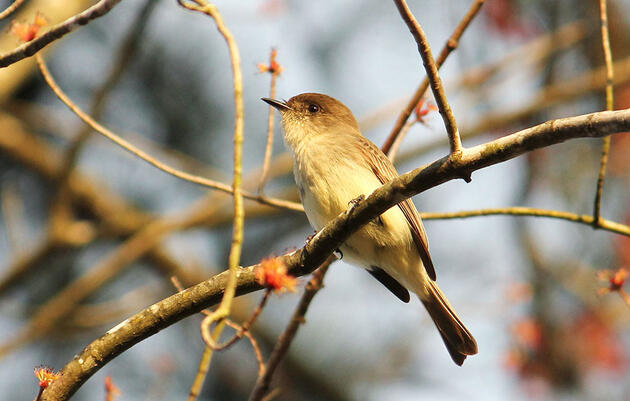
(385, 171)
(390, 283)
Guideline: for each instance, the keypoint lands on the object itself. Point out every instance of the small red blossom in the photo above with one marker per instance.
(423, 108)
(273, 67)
(528, 333)
(111, 390)
(272, 273)
(616, 279)
(28, 31)
(45, 375)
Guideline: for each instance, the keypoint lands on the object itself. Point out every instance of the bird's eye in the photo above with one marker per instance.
(313, 108)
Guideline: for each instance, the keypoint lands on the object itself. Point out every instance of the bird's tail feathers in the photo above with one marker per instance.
(458, 340)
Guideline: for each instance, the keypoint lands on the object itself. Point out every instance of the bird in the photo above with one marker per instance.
(335, 164)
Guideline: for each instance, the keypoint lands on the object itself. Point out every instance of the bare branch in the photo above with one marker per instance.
(434, 79)
(610, 76)
(547, 97)
(450, 45)
(586, 219)
(234, 256)
(284, 204)
(274, 69)
(286, 338)
(56, 32)
(241, 329)
(9, 10)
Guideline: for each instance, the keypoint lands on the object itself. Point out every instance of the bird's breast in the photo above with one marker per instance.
(328, 178)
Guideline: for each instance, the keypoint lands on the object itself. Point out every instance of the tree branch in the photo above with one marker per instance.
(57, 32)
(586, 219)
(286, 338)
(9, 10)
(432, 74)
(274, 69)
(304, 260)
(451, 44)
(610, 76)
(281, 203)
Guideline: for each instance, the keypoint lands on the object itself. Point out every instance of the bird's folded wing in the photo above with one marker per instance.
(390, 283)
(385, 171)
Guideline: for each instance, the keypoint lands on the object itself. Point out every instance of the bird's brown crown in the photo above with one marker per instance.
(322, 109)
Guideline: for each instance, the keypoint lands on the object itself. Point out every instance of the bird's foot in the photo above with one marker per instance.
(355, 202)
(338, 254)
(310, 238)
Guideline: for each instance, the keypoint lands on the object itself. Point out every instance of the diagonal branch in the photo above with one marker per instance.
(9, 10)
(280, 203)
(57, 32)
(303, 261)
(434, 79)
(451, 44)
(286, 338)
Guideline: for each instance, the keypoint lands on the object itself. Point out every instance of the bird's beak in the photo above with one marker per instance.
(280, 105)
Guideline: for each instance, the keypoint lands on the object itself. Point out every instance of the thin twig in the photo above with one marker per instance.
(274, 69)
(547, 97)
(206, 356)
(610, 76)
(9, 10)
(303, 261)
(532, 53)
(254, 343)
(432, 74)
(61, 204)
(393, 150)
(585, 219)
(223, 311)
(234, 256)
(244, 328)
(240, 330)
(287, 336)
(202, 372)
(56, 32)
(280, 203)
(450, 45)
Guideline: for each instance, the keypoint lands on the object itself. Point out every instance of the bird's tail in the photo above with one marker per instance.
(458, 340)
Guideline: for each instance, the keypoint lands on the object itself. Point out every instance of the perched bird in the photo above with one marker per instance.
(334, 164)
